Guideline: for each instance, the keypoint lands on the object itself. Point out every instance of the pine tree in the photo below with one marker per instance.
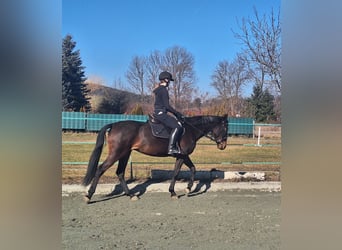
(74, 91)
(261, 104)
(267, 108)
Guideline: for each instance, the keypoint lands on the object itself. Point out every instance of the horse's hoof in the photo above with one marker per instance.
(134, 198)
(86, 199)
(174, 197)
(187, 190)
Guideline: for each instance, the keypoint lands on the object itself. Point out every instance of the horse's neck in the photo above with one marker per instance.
(202, 124)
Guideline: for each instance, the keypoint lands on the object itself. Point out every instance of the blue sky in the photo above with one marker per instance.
(109, 33)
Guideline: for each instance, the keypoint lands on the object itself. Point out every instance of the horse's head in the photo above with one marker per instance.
(219, 133)
(213, 127)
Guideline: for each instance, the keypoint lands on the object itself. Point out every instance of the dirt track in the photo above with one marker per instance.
(230, 219)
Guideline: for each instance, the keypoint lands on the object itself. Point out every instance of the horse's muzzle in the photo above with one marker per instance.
(221, 145)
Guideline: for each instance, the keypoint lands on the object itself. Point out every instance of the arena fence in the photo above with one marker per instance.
(94, 122)
(80, 121)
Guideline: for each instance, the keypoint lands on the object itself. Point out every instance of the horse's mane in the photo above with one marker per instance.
(203, 119)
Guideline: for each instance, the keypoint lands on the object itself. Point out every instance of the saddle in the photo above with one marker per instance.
(158, 129)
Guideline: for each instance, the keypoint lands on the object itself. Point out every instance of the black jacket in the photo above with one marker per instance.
(161, 102)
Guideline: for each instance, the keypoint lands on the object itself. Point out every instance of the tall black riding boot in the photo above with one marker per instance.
(173, 143)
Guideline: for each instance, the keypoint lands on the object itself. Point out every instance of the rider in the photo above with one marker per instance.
(161, 109)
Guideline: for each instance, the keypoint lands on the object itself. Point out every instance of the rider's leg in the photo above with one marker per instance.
(176, 135)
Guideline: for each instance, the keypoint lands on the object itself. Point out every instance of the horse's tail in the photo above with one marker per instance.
(95, 156)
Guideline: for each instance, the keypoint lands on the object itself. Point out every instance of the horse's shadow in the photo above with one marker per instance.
(118, 191)
(140, 189)
(199, 188)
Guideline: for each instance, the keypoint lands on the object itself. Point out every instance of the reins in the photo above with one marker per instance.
(202, 132)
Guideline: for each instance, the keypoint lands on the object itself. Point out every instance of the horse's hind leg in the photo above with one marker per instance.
(99, 172)
(120, 172)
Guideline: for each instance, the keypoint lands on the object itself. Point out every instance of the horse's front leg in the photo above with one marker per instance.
(178, 166)
(189, 163)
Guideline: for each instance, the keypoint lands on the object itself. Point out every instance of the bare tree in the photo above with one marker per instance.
(118, 84)
(136, 75)
(222, 79)
(154, 64)
(229, 79)
(240, 76)
(180, 63)
(261, 38)
(143, 74)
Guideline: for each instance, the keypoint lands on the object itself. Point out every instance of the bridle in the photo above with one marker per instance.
(208, 135)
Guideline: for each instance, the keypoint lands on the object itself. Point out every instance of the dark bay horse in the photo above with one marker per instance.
(125, 136)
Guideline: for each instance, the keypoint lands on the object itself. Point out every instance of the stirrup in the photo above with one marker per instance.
(174, 151)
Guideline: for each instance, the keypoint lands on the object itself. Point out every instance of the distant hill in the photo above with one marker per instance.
(101, 90)
(98, 92)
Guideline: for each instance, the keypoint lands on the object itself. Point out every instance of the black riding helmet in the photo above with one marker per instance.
(165, 75)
